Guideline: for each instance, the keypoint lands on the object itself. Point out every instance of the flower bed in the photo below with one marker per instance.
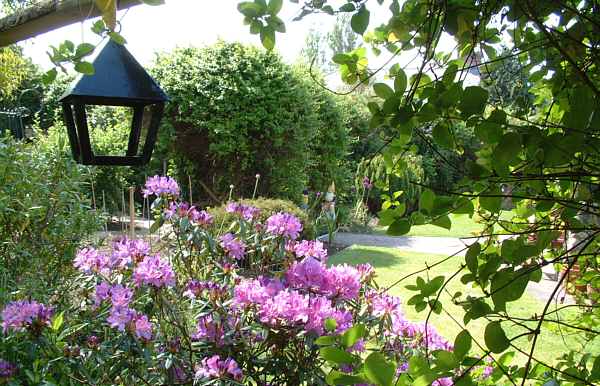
(250, 304)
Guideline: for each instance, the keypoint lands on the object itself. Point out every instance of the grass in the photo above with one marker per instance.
(391, 264)
(462, 226)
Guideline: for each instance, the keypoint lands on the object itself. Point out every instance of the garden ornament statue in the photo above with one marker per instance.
(118, 80)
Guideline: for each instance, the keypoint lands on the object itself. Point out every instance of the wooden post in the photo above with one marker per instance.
(190, 186)
(48, 15)
(131, 213)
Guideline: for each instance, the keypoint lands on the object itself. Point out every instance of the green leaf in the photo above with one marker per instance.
(275, 6)
(352, 335)
(383, 91)
(399, 227)
(426, 201)
(330, 324)
(473, 101)
(462, 344)
(57, 321)
(507, 150)
(326, 340)
(471, 257)
(267, 37)
(84, 49)
(400, 81)
(336, 355)
(117, 38)
(348, 7)
(85, 68)
(379, 370)
(49, 76)
(250, 9)
(153, 2)
(495, 338)
(443, 222)
(445, 360)
(442, 135)
(360, 20)
(492, 204)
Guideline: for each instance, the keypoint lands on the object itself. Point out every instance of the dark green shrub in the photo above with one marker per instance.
(267, 207)
(44, 214)
(236, 111)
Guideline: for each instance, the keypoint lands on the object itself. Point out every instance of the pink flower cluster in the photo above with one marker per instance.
(417, 334)
(196, 289)
(124, 253)
(314, 249)
(279, 306)
(339, 281)
(246, 212)
(155, 272)
(183, 209)
(284, 224)
(159, 186)
(121, 315)
(21, 314)
(233, 247)
(215, 367)
(382, 304)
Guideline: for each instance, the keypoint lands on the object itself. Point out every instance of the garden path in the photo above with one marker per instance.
(446, 246)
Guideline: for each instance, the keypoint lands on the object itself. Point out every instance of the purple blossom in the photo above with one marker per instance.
(142, 327)
(158, 186)
(195, 289)
(7, 369)
(89, 260)
(246, 212)
(232, 246)
(284, 224)
(312, 249)
(367, 272)
(416, 333)
(341, 281)
(253, 291)
(367, 184)
(447, 381)
(203, 218)
(208, 329)
(215, 367)
(21, 314)
(101, 294)
(126, 251)
(120, 296)
(154, 271)
(287, 308)
(320, 309)
(383, 304)
(119, 317)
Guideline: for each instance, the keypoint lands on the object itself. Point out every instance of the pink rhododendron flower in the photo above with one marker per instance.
(21, 314)
(285, 225)
(344, 282)
(120, 296)
(312, 249)
(247, 212)
(208, 329)
(101, 294)
(158, 186)
(143, 327)
(383, 304)
(89, 260)
(232, 246)
(309, 274)
(119, 317)
(155, 272)
(215, 367)
(287, 307)
(126, 251)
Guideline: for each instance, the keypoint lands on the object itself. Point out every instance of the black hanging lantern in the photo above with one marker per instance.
(118, 80)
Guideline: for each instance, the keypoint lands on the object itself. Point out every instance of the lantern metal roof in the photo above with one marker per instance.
(117, 76)
(118, 80)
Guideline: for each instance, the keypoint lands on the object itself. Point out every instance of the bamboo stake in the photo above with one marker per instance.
(190, 186)
(131, 213)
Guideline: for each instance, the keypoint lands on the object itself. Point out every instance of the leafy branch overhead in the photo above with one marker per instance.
(523, 77)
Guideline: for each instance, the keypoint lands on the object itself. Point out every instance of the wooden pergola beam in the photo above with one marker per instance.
(49, 15)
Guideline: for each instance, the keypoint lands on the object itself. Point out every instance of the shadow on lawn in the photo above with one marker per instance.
(363, 255)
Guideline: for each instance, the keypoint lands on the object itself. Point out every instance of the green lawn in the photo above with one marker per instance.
(462, 226)
(391, 264)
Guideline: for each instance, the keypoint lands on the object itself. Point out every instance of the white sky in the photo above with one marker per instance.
(202, 22)
(183, 23)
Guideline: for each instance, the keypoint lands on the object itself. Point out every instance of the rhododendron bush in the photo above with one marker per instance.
(249, 304)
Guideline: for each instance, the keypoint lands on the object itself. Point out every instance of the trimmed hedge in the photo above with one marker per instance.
(267, 208)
